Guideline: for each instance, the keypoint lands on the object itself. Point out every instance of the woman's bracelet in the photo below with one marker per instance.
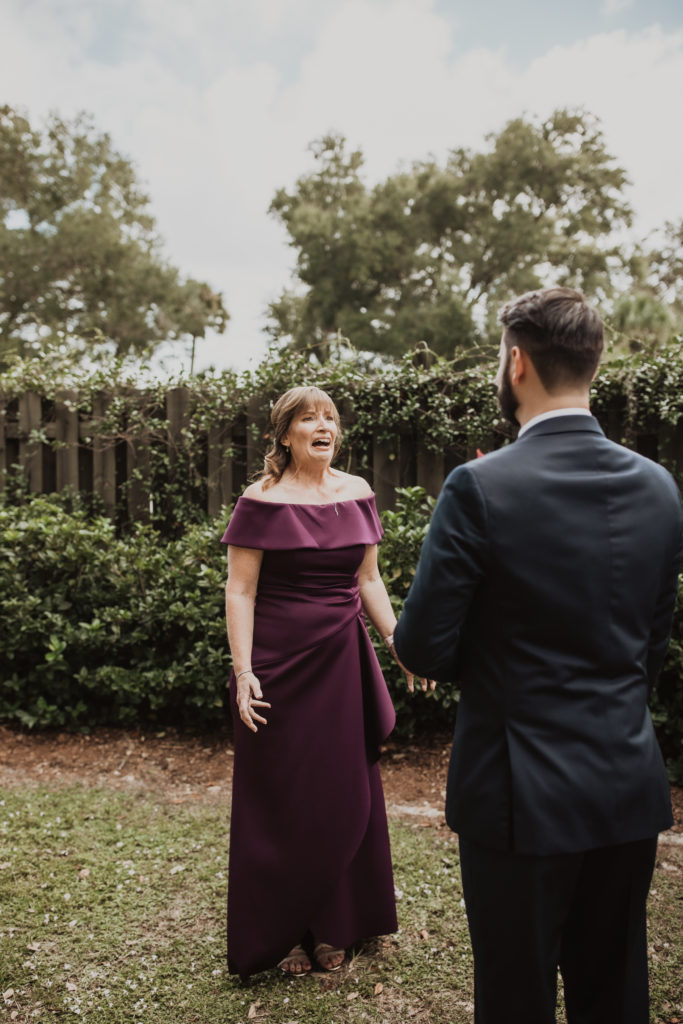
(244, 672)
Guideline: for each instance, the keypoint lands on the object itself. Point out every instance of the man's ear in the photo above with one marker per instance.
(519, 361)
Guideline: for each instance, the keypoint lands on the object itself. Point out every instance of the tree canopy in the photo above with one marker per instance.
(652, 310)
(430, 254)
(79, 253)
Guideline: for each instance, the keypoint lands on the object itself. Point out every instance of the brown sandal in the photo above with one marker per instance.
(329, 958)
(296, 963)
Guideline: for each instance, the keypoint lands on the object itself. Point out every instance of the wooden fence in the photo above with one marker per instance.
(58, 447)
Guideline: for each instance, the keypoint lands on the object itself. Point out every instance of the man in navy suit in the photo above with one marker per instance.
(546, 588)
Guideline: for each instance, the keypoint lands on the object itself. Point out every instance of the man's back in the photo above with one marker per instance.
(571, 541)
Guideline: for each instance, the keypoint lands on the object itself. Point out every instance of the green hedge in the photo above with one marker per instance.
(667, 701)
(102, 630)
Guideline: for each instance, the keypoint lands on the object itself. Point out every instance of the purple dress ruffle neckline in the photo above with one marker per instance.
(309, 847)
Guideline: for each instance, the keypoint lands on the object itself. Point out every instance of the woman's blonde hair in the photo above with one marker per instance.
(283, 412)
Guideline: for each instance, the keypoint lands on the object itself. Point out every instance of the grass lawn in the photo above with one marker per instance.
(112, 910)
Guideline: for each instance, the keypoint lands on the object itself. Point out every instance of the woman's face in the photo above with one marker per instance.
(311, 436)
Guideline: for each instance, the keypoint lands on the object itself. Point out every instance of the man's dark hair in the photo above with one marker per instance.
(560, 333)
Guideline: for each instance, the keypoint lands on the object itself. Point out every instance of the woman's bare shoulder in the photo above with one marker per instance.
(260, 490)
(254, 490)
(354, 486)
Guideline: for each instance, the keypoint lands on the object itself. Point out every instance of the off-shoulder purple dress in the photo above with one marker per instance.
(309, 848)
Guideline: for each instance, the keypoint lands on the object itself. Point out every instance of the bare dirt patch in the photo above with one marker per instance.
(183, 768)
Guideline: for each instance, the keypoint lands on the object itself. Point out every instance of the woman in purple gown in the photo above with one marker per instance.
(310, 863)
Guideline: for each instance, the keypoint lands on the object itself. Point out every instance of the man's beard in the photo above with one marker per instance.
(506, 399)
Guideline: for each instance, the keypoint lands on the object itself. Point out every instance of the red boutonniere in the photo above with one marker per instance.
(480, 453)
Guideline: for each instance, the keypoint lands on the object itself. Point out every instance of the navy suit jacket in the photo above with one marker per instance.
(546, 587)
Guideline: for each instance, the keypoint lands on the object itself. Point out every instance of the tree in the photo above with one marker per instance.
(651, 311)
(665, 263)
(79, 253)
(430, 254)
(640, 321)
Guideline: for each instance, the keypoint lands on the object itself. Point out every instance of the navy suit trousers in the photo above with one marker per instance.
(583, 913)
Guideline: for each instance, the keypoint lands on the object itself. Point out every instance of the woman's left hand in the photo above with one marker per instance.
(410, 679)
(250, 697)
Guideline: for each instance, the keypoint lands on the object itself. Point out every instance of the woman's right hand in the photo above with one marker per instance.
(249, 696)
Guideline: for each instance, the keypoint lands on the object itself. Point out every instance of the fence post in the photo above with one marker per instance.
(103, 457)
(258, 415)
(612, 425)
(386, 471)
(671, 449)
(178, 416)
(3, 442)
(431, 470)
(66, 435)
(30, 452)
(346, 415)
(219, 469)
(137, 474)
(138, 465)
(407, 459)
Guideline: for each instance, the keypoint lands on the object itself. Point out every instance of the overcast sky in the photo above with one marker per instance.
(216, 101)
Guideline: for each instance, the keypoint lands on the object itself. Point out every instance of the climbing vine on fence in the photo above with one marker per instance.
(443, 408)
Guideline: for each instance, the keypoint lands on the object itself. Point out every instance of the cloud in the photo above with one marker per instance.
(612, 7)
(629, 81)
(217, 109)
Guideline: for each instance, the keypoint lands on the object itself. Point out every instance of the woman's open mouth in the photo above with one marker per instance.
(322, 442)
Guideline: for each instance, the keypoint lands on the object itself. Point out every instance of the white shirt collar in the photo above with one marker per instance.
(551, 414)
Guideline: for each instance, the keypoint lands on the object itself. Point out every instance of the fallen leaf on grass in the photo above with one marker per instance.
(253, 1009)
(424, 934)
(379, 988)
(7, 994)
(352, 995)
